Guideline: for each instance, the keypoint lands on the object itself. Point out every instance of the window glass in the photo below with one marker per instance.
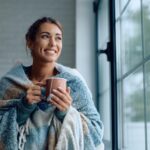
(133, 112)
(120, 115)
(131, 36)
(117, 10)
(123, 3)
(147, 87)
(133, 85)
(118, 48)
(146, 25)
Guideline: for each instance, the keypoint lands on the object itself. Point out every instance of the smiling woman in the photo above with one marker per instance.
(67, 119)
(48, 43)
(46, 46)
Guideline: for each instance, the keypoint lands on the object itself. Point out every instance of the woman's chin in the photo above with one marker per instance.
(50, 60)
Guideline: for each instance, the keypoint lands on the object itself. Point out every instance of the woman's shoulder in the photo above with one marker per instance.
(15, 70)
(77, 83)
(16, 74)
(70, 72)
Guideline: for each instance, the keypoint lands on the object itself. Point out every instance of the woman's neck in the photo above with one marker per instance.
(39, 72)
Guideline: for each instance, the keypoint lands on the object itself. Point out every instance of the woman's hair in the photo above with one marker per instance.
(34, 28)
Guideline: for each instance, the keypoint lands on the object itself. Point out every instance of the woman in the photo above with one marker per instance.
(67, 121)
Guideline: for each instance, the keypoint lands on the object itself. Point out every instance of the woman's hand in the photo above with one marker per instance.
(61, 98)
(33, 94)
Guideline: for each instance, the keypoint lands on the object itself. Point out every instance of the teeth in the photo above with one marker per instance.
(50, 51)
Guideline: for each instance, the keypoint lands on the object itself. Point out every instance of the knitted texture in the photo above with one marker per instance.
(81, 128)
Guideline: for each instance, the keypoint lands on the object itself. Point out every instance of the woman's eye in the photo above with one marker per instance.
(58, 38)
(44, 36)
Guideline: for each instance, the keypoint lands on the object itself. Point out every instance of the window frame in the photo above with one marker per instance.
(111, 55)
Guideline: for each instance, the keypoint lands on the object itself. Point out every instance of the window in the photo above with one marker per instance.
(133, 73)
(104, 90)
(132, 40)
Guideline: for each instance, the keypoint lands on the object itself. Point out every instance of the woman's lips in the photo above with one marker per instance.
(50, 51)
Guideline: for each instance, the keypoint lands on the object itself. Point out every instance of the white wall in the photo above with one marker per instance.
(85, 41)
(104, 77)
(15, 18)
(78, 42)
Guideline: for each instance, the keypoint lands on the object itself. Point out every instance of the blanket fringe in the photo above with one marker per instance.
(23, 131)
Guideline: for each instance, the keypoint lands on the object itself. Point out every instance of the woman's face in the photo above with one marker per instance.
(48, 44)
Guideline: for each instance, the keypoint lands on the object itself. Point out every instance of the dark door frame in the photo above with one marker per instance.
(110, 51)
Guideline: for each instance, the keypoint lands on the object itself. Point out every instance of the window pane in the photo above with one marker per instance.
(146, 23)
(117, 10)
(118, 48)
(123, 3)
(147, 87)
(131, 36)
(120, 115)
(133, 112)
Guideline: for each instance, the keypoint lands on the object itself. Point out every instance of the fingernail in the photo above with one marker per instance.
(60, 88)
(51, 95)
(48, 98)
(54, 90)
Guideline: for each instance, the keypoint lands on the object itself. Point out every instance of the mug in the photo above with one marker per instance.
(54, 83)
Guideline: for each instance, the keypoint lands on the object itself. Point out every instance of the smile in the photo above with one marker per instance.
(50, 51)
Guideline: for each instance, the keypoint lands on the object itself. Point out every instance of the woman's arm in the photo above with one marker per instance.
(83, 102)
(10, 91)
(24, 110)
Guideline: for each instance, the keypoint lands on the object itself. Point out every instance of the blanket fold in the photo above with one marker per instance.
(81, 128)
(8, 129)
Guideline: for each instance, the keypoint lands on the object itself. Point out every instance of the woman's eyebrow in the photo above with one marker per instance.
(45, 33)
(59, 34)
(50, 34)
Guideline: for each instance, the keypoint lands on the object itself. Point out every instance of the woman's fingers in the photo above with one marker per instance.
(58, 103)
(65, 93)
(41, 84)
(61, 99)
(33, 94)
(68, 90)
(33, 99)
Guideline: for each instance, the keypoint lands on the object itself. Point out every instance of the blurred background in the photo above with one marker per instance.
(108, 42)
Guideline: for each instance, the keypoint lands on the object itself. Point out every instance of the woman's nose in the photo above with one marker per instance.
(52, 41)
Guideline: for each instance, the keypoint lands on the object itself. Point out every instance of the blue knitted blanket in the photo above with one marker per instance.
(81, 128)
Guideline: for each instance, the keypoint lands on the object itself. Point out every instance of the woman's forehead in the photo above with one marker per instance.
(49, 28)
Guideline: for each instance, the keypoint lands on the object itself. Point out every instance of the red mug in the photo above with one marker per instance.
(54, 83)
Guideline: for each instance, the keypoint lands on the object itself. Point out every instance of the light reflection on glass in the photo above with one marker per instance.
(131, 36)
(133, 118)
(123, 3)
(146, 27)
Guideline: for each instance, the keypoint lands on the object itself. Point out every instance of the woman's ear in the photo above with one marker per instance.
(30, 44)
